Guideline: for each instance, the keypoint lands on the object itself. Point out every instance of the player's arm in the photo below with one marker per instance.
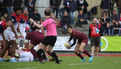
(71, 37)
(3, 36)
(73, 43)
(35, 24)
(42, 29)
(20, 35)
(13, 30)
(2, 32)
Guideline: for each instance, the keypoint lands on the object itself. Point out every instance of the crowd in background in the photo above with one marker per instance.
(21, 12)
(65, 11)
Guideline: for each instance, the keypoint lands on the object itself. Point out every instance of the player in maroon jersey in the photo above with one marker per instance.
(82, 42)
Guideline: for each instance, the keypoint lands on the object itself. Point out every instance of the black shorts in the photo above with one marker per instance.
(95, 41)
(49, 40)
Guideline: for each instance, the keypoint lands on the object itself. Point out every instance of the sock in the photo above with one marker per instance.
(49, 53)
(51, 56)
(34, 53)
(85, 52)
(55, 57)
(42, 54)
(79, 55)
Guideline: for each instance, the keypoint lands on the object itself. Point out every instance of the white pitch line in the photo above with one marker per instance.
(29, 68)
(78, 64)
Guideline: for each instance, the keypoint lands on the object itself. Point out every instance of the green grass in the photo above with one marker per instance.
(68, 63)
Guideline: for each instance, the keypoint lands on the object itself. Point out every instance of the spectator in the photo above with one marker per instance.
(118, 3)
(105, 6)
(54, 4)
(114, 16)
(104, 19)
(5, 16)
(111, 30)
(67, 5)
(20, 3)
(119, 6)
(17, 3)
(100, 20)
(31, 5)
(23, 4)
(61, 8)
(82, 4)
(9, 5)
(95, 31)
(73, 8)
(36, 16)
(116, 28)
(1, 4)
(82, 19)
(3, 7)
(65, 22)
(108, 29)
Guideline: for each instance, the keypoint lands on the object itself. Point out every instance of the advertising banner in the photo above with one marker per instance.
(111, 43)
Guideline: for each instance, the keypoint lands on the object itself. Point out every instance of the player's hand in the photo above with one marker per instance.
(31, 20)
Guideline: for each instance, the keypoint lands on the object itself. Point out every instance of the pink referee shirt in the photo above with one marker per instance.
(50, 25)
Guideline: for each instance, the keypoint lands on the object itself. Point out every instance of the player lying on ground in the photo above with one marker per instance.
(24, 55)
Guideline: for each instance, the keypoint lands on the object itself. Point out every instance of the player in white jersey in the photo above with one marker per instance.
(25, 55)
(11, 33)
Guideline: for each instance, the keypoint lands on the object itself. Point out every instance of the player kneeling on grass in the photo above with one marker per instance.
(82, 42)
(3, 26)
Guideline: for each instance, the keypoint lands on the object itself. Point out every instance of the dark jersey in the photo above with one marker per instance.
(35, 37)
(76, 35)
(15, 19)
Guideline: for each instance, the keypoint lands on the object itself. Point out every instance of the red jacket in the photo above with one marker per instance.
(3, 23)
(95, 30)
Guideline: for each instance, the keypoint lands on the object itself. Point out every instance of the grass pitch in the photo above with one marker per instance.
(71, 62)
